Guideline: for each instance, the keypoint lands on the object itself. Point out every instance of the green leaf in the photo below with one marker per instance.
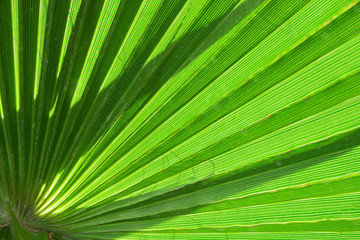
(183, 119)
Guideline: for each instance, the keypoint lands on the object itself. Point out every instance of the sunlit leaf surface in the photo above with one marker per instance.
(180, 119)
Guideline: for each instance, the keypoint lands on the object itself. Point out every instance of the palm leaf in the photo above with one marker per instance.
(195, 119)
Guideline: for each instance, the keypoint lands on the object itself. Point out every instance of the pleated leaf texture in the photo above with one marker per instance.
(180, 119)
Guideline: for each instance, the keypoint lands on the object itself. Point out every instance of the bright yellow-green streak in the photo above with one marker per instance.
(138, 26)
(51, 113)
(1, 109)
(40, 205)
(104, 23)
(74, 9)
(40, 43)
(15, 34)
